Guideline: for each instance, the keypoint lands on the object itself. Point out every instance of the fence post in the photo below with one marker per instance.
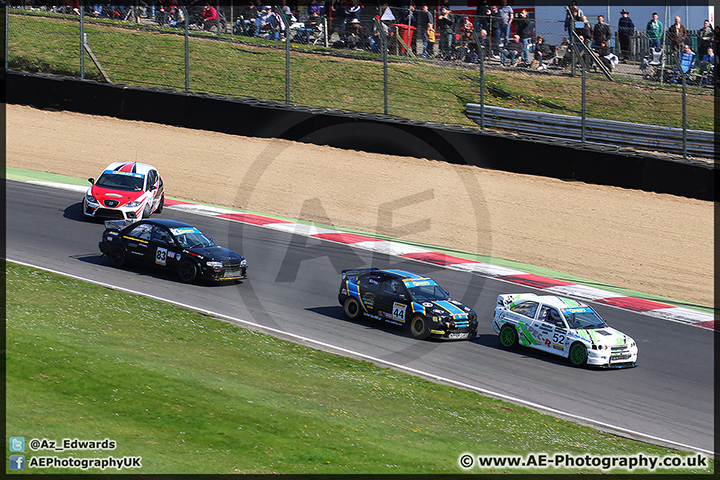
(82, 41)
(384, 53)
(584, 91)
(187, 50)
(286, 22)
(7, 34)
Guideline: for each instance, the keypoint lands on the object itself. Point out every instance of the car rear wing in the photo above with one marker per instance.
(116, 224)
(357, 271)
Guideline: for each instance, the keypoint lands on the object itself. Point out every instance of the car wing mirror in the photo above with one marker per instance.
(91, 180)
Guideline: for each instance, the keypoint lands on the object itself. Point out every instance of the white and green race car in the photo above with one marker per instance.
(563, 327)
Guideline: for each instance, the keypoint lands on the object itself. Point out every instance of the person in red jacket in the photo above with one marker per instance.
(210, 17)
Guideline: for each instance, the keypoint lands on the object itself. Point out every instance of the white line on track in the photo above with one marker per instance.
(621, 431)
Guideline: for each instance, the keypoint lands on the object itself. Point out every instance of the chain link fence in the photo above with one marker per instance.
(371, 62)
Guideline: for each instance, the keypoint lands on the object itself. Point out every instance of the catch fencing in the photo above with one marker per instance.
(381, 70)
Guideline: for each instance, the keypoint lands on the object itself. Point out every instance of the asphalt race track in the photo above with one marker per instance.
(293, 287)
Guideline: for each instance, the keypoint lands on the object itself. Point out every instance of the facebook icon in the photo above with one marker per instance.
(17, 462)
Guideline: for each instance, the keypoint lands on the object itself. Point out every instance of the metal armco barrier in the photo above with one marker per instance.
(604, 132)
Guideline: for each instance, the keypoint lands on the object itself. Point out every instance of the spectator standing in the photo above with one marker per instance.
(497, 30)
(626, 29)
(511, 51)
(425, 20)
(676, 35)
(585, 33)
(506, 13)
(601, 32)
(482, 20)
(430, 52)
(654, 31)
(574, 15)
(446, 23)
(525, 27)
(705, 38)
(411, 20)
(542, 52)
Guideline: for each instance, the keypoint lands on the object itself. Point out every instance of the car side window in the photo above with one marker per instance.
(551, 316)
(526, 308)
(141, 231)
(371, 282)
(161, 235)
(391, 287)
(151, 179)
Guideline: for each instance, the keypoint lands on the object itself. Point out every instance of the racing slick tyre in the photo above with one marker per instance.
(160, 205)
(508, 336)
(419, 327)
(118, 257)
(187, 271)
(147, 211)
(578, 354)
(352, 309)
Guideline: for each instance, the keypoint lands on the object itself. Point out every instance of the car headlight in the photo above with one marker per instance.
(217, 266)
(243, 263)
(90, 200)
(134, 204)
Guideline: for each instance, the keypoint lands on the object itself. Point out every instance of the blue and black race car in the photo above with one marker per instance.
(407, 299)
(171, 245)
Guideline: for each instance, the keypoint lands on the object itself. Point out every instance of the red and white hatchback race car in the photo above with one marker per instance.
(125, 191)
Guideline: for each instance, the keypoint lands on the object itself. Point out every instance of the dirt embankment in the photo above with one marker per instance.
(652, 243)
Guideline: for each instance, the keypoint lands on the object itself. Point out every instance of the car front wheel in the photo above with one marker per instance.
(578, 355)
(352, 308)
(187, 271)
(419, 327)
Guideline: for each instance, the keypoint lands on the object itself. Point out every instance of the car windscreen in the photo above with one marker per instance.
(190, 237)
(425, 291)
(584, 317)
(120, 181)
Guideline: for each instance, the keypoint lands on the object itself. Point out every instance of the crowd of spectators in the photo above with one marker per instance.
(496, 32)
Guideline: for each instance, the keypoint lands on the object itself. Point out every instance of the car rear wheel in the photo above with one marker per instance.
(118, 257)
(508, 336)
(419, 327)
(187, 271)
(578, 355)
(352, 308)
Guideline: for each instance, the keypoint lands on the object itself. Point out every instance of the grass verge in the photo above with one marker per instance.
(192, 394)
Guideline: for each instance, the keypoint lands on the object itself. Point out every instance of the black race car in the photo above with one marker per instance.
(171, 245)
(408, 299)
